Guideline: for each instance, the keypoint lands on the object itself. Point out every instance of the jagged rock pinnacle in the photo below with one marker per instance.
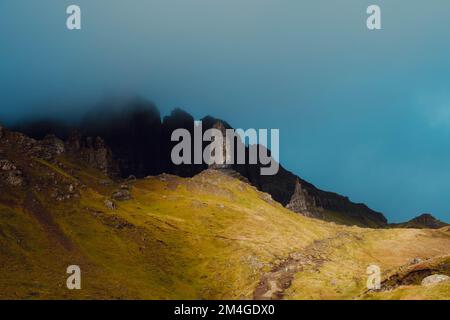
(226, 153)
(301, 202)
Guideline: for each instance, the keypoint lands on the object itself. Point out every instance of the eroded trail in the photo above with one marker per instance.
(274, 283)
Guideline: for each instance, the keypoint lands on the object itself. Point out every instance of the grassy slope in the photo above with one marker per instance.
(343, 274)
(411, 279)
(210, 236)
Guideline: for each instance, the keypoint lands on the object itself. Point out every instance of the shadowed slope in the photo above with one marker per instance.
(141, 145)
(212, 236)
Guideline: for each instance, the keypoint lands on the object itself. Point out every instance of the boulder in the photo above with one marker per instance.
(47, 148)
(10, 174)
(121, 195)
(110, 204)
(14, 178)
(434, 279)
(6, 165)
(415, 261)
(53, 144)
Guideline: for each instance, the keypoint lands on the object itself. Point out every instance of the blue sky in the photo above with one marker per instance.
(363, 113)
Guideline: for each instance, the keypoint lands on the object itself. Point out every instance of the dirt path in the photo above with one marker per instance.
(274, 283)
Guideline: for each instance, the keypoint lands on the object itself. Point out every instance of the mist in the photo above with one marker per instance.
(361, 113)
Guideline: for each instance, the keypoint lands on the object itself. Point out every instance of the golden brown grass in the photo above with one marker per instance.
(207, 237)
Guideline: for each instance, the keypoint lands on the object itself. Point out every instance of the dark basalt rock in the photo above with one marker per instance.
(94, 151)
(178, 119)
(51, 146)
(133, 133)
(121, 195)
(134, 141)
(301, 202)
(10, 174)
(303, 197)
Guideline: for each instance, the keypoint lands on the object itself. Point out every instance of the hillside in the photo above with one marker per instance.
(424, 221)
(405, 282)
(140, 145)
(211, 236)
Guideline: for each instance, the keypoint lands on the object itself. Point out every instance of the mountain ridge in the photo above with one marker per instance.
(210, 236)
(140, 145)
(423, 221)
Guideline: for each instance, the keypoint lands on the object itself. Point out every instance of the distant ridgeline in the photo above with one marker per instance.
(423, 221)
(141, 145)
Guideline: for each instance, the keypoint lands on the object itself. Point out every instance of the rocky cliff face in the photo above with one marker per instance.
(299, 195)
(10, 174)
(301, 202)
(178, 119)
(133, 134)
(303, 197)
(91, 150)
(94, 152)
(134, 141)
(222, 159)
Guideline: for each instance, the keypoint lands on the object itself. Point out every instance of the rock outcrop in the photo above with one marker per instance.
(426, 271)
(136, 142)
(178, 119)
(310, 200)
(299, 195)
(6, 165)
(93, 151)
(133, 134)
(122, 194)
(301, 202)
(10, 174)
(111, 205)
(49, 147)
(435, 279)
(424, 221)
(223, 159)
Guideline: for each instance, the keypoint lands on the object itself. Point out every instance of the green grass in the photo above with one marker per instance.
(207, 237)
